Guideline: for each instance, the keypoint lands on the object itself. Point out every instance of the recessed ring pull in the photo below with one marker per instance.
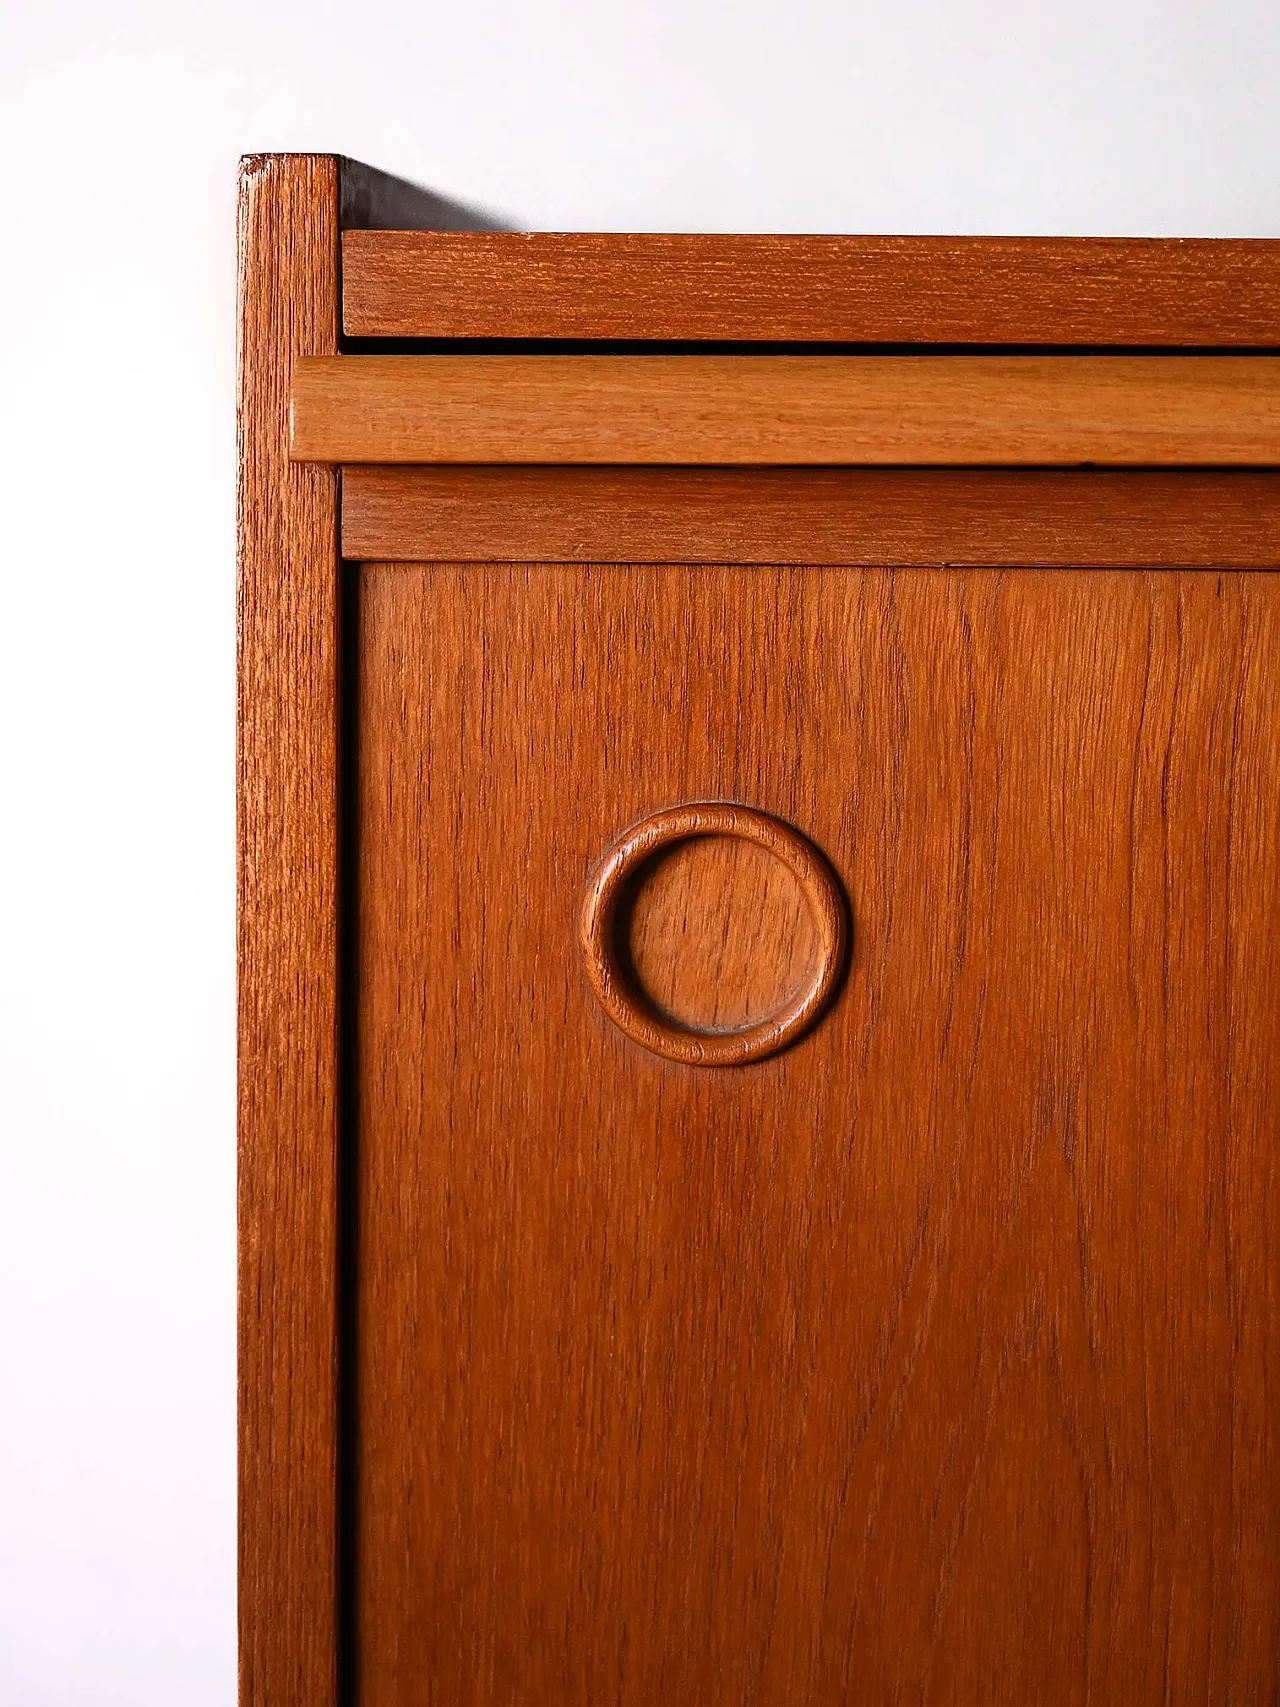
(610, 965)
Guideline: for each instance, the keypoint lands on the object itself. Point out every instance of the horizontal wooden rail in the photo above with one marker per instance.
(1216, 292)
(1051, 411)
(868, 516)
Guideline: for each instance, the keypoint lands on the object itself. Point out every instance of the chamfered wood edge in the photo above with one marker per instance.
(287, 1102)
(1035, 518)
(752, 410)
(1163, 292)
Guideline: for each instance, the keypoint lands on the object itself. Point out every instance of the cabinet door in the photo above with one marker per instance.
(934, 1358)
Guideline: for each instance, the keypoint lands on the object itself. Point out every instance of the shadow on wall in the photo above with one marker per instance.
(375, 201)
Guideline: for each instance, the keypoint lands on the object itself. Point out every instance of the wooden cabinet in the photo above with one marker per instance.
(760, 1103)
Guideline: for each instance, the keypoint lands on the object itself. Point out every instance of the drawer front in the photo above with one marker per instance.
(930, 1356)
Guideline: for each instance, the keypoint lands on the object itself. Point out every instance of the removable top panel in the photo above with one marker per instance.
(1157, 292)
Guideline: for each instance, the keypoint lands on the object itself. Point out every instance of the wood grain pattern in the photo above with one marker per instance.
(1046, 410)
(1050, 518)
(930, 290)
(618, 982)
(935, 1360)
(287, 819)
(718, 933)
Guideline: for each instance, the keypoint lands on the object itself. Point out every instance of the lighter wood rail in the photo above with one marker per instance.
(1048, 411)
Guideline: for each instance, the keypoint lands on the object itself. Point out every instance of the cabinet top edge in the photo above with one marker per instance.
(1072, 291)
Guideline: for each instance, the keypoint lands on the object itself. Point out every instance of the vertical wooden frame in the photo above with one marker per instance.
(288, 949)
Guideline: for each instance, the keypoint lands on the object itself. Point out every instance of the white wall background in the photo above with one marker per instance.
(120, 126)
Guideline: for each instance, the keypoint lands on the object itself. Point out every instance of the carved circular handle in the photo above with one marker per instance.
(627, 1007)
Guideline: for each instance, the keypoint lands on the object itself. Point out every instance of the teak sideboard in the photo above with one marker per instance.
(759, 965)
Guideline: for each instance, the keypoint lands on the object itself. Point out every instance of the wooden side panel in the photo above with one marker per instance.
(878, 290)
(811, 515)
(1055, 411)
(287, 948)
(935, 1360)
